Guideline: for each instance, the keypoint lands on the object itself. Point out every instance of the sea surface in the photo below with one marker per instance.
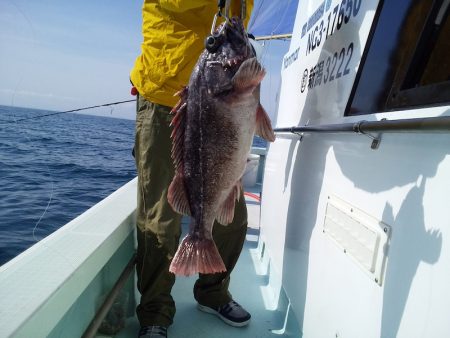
(54, 168)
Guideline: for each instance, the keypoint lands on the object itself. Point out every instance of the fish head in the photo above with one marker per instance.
(227, 49)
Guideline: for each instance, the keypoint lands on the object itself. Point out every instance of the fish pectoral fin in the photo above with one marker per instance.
(263, 125)
(248, 76)
(226, 212)
(177, 196)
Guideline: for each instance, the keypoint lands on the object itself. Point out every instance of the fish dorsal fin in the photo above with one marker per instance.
(226, 212)
(263, 125)
(178, 124)
(248, 76)
(177, 196)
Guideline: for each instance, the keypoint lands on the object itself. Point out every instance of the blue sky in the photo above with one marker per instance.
(61, 55)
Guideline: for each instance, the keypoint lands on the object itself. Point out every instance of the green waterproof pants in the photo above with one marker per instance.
(158, 226)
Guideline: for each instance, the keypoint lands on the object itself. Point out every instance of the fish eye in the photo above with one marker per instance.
(212, 42)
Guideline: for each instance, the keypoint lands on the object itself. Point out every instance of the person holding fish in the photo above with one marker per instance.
(191, 150)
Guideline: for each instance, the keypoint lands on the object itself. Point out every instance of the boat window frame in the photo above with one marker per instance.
(401, 94)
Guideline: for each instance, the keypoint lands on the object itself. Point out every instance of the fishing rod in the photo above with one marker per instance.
(67, 111)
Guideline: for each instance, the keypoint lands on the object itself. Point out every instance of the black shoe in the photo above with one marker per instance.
(154, 331)
(232, 313)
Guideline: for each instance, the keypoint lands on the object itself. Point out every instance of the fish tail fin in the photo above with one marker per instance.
(196, 255)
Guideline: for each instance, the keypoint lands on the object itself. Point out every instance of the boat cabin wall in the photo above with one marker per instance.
(356, 236)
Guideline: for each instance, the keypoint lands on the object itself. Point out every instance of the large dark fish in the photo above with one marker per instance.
(216, 119)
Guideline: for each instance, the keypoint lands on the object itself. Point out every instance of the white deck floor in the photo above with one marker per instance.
(247, 284)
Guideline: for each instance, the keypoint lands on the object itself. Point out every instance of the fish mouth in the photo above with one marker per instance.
(230, 46)
(236, 61)
(228, 62)
(237, 35)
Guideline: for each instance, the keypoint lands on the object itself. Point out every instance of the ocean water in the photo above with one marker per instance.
(54, 168)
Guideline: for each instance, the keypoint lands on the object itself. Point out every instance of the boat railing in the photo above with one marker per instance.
(61, 280)
(107, 304)
(440, 124)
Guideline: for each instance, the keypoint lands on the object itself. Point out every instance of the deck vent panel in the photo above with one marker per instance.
(362, 237)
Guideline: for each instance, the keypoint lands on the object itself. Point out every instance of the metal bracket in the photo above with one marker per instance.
(223, 6)
(300, 134)
(297, 133)
(376, 139)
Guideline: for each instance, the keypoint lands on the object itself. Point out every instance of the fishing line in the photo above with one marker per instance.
(50, 199)
(276, 26)
(66, 111)
(48, 203)
(46, 172)
(267, 45)
(33, 33)
(51, 192)
(24, 133)
(34, 43)
(256, 14)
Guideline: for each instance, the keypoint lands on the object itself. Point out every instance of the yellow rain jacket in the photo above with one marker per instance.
(174, 32)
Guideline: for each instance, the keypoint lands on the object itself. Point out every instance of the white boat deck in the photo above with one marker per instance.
(248, 286)
(74, 270)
